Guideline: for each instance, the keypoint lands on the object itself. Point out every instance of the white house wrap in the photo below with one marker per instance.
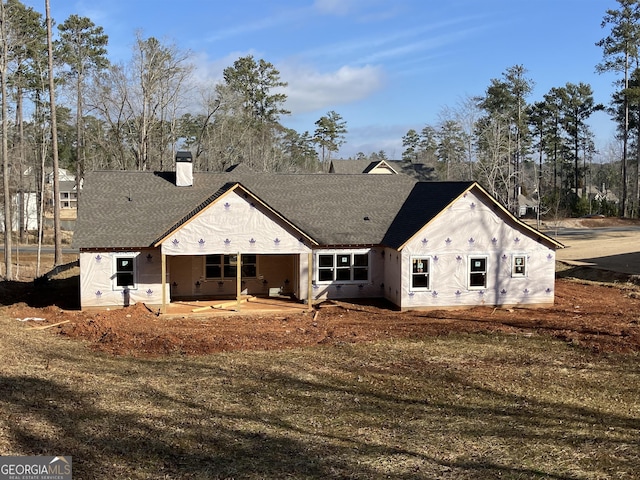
(471, 229)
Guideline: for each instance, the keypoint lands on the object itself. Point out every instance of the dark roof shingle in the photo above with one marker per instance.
(119, 209)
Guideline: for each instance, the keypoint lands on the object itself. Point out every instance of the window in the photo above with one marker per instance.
(420, 273)
(230, 266)
(477, 272)
(325, 268)
(343, 267)
(249, 269)
(225, 266)
(213, 266)
(519, 266)
(125, 268)
(361, 267)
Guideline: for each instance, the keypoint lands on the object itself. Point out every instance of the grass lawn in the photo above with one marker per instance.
(454, 407)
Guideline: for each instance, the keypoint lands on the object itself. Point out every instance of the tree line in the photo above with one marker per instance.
(135, 114)
(542, 149)
(545, 149)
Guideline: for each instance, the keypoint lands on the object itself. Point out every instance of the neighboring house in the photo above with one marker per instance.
(528, 206)
(362, 166)
(156, 237)
(24, 202)
(63, 176)
(28, 203)
(67, 189)
(599, 194)
(68, 194)
(418, 171)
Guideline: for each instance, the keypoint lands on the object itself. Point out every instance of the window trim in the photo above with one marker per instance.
(470, 259)
(335, 267)
(525, 265)
(114, 280)
(427, 273)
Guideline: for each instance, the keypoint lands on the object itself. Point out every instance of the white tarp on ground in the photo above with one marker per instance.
(472, 228)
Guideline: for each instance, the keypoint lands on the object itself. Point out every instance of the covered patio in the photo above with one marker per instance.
(245, 305)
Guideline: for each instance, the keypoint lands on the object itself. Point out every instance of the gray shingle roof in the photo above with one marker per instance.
(424, 202)
(350, 167)
(130, 210)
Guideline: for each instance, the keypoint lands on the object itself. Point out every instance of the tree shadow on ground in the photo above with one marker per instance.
(106, 444)
(592, 274)
(107, 441)
(42, 292)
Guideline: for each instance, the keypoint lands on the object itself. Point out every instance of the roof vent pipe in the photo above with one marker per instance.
(184, 169)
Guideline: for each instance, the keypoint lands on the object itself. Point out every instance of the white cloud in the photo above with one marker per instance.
(366, 10)
(309, 90)
(208, 71)
(284, 17)
(334, 7)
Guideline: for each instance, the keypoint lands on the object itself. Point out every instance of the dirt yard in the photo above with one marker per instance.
(604, 318)
(594, 308)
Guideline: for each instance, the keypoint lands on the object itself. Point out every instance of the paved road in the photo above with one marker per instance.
(611, 248)
(44, 249)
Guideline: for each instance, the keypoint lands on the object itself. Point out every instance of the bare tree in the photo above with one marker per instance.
(82, 48)
(158, 72)
(57, 256)
(619, 51)
(109, 99)
(5, 146)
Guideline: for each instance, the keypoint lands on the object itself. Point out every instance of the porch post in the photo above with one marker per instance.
(163, 283)
(310, 282)
(239, 279)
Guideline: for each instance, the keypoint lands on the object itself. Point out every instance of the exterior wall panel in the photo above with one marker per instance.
(471, 227)
(97, 286)
(230, 225)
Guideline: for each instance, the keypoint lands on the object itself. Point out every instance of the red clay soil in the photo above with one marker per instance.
(594, 316)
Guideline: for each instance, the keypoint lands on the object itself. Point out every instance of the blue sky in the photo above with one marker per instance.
(384, 65)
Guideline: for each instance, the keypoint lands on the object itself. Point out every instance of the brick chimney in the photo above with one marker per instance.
(184, 169)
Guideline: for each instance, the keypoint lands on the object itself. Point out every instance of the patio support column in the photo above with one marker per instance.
(163, 283)
(239, 278)
(310, 281)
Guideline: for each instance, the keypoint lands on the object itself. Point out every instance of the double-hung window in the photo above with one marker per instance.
(125, 272)
(477, 272)
(213, 266)
(225, 266)
(519, 266)
(230, 263)
(343, 267)
(249, 266)
(420, 273)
